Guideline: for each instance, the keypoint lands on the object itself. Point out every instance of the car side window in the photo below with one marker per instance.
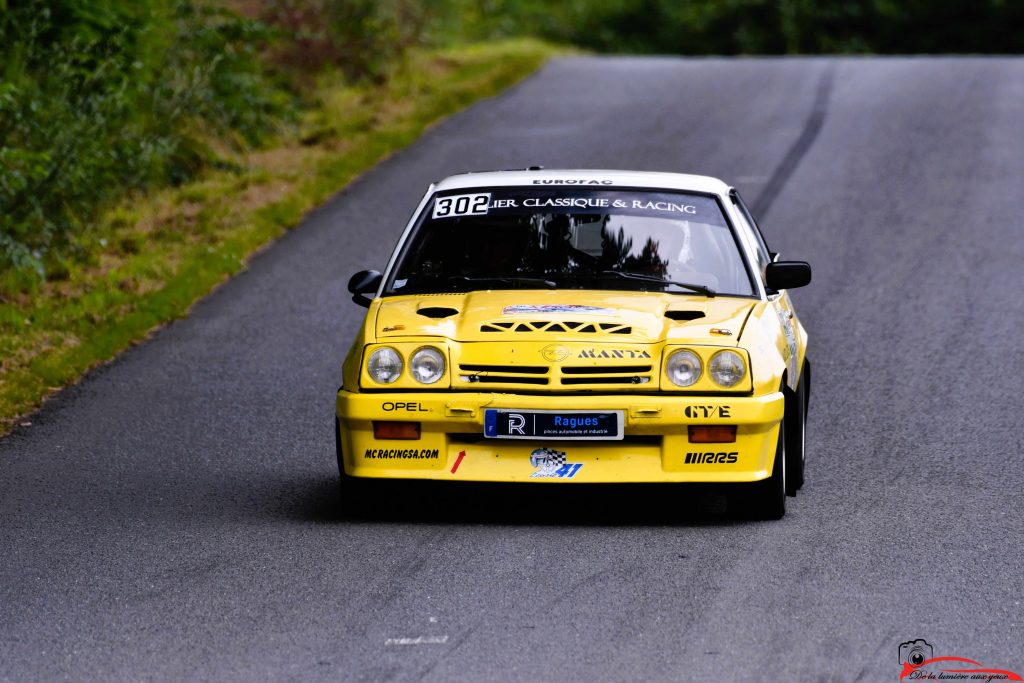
(762, 252)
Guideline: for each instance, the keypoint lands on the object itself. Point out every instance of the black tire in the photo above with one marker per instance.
(337, 446)
(353, 490)
(354, 493)
(766, 499)
(796, 441)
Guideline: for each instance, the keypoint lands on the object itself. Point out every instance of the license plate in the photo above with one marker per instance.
(553, 424)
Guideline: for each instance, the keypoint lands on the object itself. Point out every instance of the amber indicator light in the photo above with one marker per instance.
(396, 430)
(712, 433)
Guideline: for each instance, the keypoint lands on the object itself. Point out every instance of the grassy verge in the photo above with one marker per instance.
(155, 255)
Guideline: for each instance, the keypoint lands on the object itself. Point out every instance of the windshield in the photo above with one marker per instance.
(532, 238)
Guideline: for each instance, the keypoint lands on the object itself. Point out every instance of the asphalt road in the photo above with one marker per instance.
(175, 516)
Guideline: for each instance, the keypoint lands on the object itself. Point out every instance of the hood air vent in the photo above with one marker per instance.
(556, 326)
(436, 311)
(684, 315)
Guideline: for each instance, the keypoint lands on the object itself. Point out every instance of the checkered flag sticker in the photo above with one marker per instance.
(547, 459)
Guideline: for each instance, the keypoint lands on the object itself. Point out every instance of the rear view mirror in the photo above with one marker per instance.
(787, 275)
(362, 283)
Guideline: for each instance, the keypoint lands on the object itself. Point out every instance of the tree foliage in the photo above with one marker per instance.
(729, 27)
(99, 98)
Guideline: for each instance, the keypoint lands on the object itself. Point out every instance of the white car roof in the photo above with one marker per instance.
(587, 178)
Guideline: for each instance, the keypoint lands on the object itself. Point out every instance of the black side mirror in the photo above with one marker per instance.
(787, 275)
(362, 283)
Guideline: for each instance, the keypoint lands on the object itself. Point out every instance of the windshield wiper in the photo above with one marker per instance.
(700, 289)
(505, 280)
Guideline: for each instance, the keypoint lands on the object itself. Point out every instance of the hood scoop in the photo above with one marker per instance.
(578, 326)
(437, 312)
(684, 316)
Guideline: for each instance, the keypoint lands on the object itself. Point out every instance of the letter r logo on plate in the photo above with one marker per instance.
(516, 422)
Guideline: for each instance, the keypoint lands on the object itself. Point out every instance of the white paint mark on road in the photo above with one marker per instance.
(418, 640)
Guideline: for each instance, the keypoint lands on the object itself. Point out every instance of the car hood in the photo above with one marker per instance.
(565, 315)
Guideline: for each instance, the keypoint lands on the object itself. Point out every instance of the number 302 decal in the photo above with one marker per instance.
(462, 205)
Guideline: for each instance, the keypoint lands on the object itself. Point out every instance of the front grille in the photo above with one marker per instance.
(603, 370)
(606, 374)
(503, 379)
(475, 373)
(525, 369)
(569, 376)
(556, 326)
(634, 379)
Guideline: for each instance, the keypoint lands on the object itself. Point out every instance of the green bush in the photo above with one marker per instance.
(696, 27)
(363, 38)
(99, 98)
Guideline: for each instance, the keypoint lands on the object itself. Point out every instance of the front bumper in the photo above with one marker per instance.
(452, 445)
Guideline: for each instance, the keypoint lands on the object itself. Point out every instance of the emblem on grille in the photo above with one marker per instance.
(555, 353)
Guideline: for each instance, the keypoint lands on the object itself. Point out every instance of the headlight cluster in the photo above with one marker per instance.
(726, 369)
(385, 365)
(684, 368)
(427, 365)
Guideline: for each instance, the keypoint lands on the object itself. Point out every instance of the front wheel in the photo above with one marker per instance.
(766, 499)
(354, 490)
(796, 421)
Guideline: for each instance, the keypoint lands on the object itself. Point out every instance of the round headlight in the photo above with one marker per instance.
(727, 368)
(426, 365)
(683, 368)
(385, 365)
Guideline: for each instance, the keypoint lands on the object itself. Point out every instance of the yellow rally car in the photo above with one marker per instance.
(565, 327)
